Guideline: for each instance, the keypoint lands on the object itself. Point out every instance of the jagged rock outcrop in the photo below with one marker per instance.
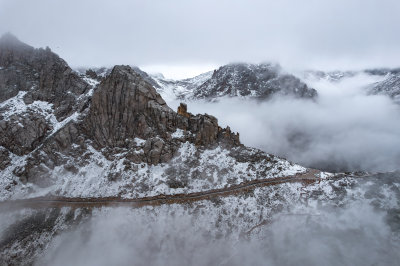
(125, 107)
(14, 74)
(40, 72)
(100, 73)
(182, 110)
(21, 135)
(37, 91)
(93, 74)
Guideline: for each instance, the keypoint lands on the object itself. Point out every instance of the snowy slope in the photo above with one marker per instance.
(171, 90)
(390, 86)
(192, 170)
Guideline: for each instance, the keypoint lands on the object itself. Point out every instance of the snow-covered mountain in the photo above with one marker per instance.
(258, 81)
(180, 89)
(67, 134)
(390, 86)
(109, 134)
(103, 134)
(332, 76)
(253, 81)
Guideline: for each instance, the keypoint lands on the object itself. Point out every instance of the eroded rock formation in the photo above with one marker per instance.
(59, 116)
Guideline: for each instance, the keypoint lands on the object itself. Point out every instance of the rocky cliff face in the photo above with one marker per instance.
(39, 72)
(125, 107)
(100, 73)
(38, 91)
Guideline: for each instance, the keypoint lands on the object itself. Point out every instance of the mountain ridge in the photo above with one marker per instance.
(121, 113)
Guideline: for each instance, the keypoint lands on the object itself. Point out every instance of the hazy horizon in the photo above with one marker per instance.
(184, 38)
(178, 72)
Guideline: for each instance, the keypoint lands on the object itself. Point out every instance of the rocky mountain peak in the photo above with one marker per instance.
(126, 106)
(124, 114)
(42, 74)
(38, 91)
(14, 51)
(10, 41)
(132, 75)
(260, 81)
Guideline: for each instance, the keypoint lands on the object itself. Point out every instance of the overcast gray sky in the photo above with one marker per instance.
(190, 36)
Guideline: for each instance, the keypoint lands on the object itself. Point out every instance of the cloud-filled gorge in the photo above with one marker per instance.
(344, 129)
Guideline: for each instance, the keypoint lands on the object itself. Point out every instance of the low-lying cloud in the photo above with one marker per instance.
(355, 233)
(343, 130)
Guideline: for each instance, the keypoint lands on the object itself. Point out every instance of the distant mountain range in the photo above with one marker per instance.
(255, 81)
(261, 81)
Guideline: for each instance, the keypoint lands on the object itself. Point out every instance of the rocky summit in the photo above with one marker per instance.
(38, 90)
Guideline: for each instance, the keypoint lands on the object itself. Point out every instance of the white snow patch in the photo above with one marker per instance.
(14, 105)
(58, 125)
(91, 81)
(292, 169)
(139, 141)
(179, 133)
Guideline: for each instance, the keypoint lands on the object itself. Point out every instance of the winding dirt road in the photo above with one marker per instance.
(310, 176)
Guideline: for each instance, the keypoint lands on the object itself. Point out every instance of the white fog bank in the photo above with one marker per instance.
(358, 226)
(343, 130)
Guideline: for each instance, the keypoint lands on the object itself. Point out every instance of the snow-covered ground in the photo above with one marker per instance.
(192, 169)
